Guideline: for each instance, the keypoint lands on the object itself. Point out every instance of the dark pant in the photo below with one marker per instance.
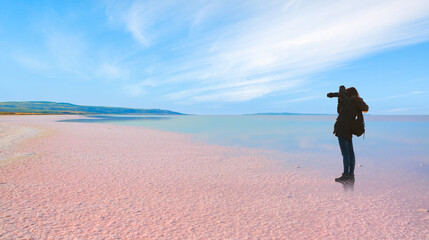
(346, 147)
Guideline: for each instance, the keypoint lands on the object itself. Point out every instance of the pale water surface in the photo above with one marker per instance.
(386, 137)
(402, 141)
(394, 152)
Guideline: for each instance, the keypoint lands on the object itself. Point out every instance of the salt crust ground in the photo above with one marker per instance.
(96, 181)
(10, 135)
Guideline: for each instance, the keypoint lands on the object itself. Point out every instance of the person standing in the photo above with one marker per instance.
(349, 104)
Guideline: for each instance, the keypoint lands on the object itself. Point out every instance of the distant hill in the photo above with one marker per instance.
(35, 107)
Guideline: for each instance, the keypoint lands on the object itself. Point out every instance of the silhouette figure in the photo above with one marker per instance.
(349, 105)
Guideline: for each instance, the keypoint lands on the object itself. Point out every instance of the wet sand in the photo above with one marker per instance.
(100, 181)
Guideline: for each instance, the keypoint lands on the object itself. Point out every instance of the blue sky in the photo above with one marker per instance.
(217, 57)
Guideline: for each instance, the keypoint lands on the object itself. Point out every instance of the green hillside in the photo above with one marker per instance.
(34, 107)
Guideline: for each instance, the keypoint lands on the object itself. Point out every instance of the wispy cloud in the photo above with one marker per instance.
(241, 93)
(413, 93)
(30, 62)
(138, 89)
(150, 20)
(136, 23)
(300, 99)
(111, 71)
(253, 49)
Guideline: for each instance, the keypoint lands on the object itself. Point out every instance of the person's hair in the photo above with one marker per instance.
(351, 91)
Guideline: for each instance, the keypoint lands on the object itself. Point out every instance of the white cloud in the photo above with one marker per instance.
(397, 96)
(112, 71)
(252, 47)
(234, 95)
(149, 21)
(235, 91)
(135, 24)
(300, 99)
(30, 62)
(138, 89)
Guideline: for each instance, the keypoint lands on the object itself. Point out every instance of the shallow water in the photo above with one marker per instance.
(386, 136)
(394, 149)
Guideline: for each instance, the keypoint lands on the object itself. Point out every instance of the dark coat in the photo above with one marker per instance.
(347, 109)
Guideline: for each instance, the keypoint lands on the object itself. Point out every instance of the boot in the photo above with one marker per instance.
(342, 178)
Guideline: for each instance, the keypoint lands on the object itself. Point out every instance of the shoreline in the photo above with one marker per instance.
(90, 180)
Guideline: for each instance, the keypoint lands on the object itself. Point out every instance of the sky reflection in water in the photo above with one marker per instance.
(393, 156)
(386, 136)
(388, 140)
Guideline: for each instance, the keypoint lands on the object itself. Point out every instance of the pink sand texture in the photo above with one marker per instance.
(100, 181)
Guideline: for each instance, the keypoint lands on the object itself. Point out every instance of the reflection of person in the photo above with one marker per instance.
(349, 104)
(348, 185)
